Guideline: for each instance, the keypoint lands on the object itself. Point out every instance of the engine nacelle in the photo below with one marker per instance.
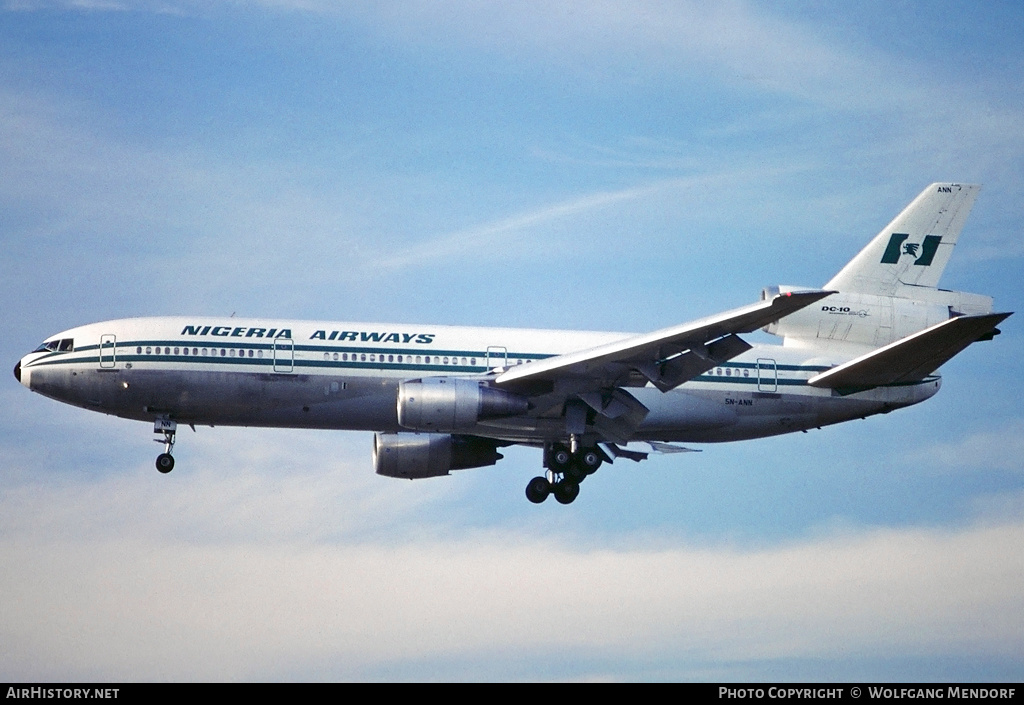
(417, 455)
(453, 403)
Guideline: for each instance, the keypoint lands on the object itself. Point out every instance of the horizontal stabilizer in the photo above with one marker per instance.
(912, 358)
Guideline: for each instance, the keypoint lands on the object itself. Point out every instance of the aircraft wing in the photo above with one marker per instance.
(911, 358)
(666, 358)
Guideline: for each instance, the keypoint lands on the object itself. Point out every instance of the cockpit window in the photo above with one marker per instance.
(63, 345)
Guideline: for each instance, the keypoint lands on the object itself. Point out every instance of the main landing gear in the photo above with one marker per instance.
(566, 470)
(168, 428)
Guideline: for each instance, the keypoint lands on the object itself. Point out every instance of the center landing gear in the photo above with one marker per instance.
(566, 470)
(168, 428)
(538, 489)
(564, 490)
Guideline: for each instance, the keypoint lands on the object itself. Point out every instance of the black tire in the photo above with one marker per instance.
(538, 489)
(575, 473)
(590, 460)
(566, 492)
(165, 462)
(559, 458)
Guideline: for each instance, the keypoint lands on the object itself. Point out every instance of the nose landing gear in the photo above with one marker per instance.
(168, 429)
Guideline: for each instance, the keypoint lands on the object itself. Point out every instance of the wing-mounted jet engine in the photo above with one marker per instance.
(413, 456)
(444, 404)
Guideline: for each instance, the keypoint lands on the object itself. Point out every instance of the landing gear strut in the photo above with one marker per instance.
(168, 429)
(566, 470)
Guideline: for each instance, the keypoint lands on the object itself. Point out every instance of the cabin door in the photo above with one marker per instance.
(108, 348)
(767, 375)
(497, 356)
(284, 354)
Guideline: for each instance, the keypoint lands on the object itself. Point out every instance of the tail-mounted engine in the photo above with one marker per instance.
(445, 404)
(869, 320)
(417, 455)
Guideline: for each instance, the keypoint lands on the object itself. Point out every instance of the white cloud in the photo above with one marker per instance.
(279, 555)
(123, 607)
(999, 448)
(510, 238)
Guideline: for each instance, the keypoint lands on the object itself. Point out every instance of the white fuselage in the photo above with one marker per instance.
(312, 374)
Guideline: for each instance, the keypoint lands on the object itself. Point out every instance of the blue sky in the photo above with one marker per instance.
(602, 165)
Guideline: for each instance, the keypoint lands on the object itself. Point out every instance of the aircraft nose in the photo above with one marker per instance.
(21, 375)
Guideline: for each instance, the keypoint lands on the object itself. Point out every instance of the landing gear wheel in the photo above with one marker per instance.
(589, 460)
(538, 489)
(165, 462)
(576, 473)
(559, 458)
(565, 491)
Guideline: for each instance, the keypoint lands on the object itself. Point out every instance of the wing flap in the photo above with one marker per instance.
(696, 361)
(911, 358)
(620, 418)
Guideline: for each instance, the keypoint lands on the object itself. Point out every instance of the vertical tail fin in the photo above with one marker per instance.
(913, 250)
(890, 289)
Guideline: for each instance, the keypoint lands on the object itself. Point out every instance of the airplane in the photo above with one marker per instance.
(444, 398)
